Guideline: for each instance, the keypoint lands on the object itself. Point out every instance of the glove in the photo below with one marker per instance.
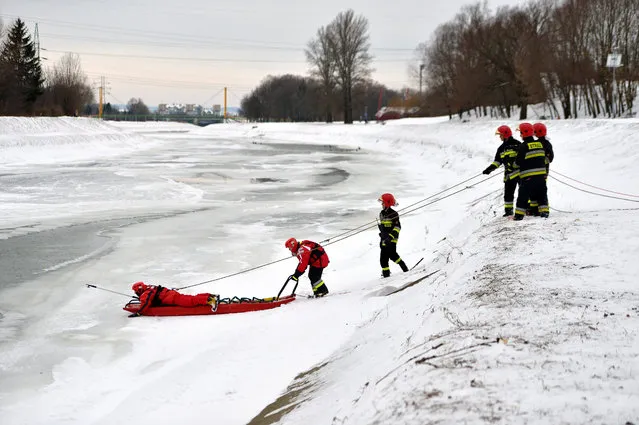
(487, 171)
(385, 237)
(293, 277)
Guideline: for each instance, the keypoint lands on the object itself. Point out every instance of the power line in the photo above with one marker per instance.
(164, 35)
(149, 80)
(212, 97)
(198, 44)
(202, 44)
(196, 59)
(155, 34)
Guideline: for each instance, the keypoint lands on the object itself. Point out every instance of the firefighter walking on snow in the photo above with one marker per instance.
(531, 160)
(389, 228)
(309, 254)
(506, 155)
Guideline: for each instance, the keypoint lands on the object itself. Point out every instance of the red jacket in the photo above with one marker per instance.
(310, 253)
(157, 295)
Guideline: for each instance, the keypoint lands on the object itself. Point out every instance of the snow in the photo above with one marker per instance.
(522, 322)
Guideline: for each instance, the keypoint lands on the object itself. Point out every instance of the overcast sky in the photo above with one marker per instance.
(169, 51)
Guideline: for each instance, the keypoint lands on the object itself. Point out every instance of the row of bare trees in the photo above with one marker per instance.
(26, 89)
(538, 53)
(297, 98)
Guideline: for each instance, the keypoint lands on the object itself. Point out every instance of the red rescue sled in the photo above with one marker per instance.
(236, 305)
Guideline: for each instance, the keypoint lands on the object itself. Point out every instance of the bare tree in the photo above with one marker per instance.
(319, 56)
(540, 52)
(69, 85)
(348, 39)
(137, 107)
(441, 74)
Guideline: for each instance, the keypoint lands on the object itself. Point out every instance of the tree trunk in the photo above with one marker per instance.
(523, 111)
(348, 107)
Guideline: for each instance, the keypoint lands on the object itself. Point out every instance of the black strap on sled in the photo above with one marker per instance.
(156, 297)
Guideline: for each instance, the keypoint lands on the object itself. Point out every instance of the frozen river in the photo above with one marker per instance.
(182, 210)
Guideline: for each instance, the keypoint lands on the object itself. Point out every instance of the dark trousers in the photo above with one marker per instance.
(532, 188)
(533, 205)
(509, 192)
(389, 252)
(315, 276)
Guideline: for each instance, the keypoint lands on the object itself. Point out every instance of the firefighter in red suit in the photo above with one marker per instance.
(151, 295)
(309, 254)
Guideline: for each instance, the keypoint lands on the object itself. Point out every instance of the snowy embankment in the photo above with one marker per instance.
(26, 141)
(532, 323)
(529, 322)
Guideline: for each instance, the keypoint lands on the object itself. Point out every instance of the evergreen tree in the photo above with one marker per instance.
(21, 81)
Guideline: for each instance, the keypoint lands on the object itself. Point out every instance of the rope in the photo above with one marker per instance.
(594, 193)
(373, 223)
(351, 232)
(444, 197)
(406, 211)
(594, 187)
(233, 274)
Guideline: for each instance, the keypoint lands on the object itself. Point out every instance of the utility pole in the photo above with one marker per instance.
(36, 43)
(224, 104)
(102, 84)
(36, 40)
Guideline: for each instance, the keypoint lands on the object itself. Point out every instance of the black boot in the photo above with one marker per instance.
(320, 291)
(507, 212)
(385, 273)
(403, 265)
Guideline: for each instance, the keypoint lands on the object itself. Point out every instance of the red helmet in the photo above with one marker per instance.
(539, 129)
(387, 200)
(292, 245)
(139, 288)
(504, 131)
(525, 129)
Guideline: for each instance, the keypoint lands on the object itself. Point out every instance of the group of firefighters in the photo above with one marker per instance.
(525, 164)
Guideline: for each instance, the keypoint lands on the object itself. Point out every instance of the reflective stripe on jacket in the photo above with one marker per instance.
(531, 158)
(389, 224)
(506, 155)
